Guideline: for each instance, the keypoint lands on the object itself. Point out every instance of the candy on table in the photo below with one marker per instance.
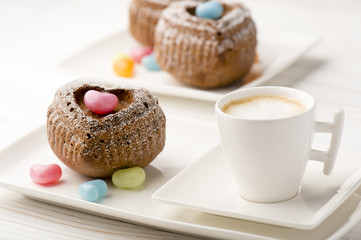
(138, 53)
(92, 190)
(129, 177)
(150, 63)
(45, 173)
(100, 102)
(209, 10)
(123, 65)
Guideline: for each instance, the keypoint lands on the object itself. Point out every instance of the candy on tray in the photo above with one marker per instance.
(93, 190)
(138, 53)
(129, 177)
(123, 65)
(45, 173)
(100, 102)
(150, 63)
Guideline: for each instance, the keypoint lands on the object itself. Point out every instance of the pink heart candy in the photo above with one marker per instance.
(45, 174)
(100, 102)
(138, 53)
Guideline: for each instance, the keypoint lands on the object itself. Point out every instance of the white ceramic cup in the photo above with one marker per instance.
(268, 157)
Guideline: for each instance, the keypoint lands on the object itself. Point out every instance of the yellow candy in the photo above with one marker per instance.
(129, 177)
(123, 65)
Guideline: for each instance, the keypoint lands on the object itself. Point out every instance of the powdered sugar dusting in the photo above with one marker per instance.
(205, 52)
(177, 15)
(97, 145)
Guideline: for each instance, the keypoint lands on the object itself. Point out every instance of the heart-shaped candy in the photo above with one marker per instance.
(45, 174)
(100, 102)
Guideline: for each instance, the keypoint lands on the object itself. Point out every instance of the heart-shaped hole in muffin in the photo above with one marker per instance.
(125, 98)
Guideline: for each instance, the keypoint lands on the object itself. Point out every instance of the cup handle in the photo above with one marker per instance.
(335, 128)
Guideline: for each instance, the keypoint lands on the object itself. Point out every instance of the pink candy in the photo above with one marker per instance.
(138, 53)
(45, 174)
(100, 102)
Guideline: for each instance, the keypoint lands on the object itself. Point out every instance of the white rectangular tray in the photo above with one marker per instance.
(277, 51)
(186, 141)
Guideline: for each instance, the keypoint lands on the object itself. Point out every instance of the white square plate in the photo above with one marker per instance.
(276, 53)
(207, 186)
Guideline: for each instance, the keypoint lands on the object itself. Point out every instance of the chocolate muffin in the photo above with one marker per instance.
(205, 53)
(143, 17)
(96, 145)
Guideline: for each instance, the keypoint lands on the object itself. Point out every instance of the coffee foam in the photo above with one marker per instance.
(264, 107)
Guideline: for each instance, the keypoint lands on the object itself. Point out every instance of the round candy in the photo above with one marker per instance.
(92, 190)
(128, 177)
(123, 65)
(45, 174)
(138, 53)
(100, 102)
(209, 10)
(150, 63)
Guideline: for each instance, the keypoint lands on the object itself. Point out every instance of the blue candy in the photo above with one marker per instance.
(92, 190)
(209, 10)
(150, 63)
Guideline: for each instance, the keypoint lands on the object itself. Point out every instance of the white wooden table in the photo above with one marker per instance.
(36, 35)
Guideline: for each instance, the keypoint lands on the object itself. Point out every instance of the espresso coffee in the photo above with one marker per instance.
(264, 107)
